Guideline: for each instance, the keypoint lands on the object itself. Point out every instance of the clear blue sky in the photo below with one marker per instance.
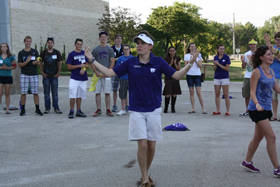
(254, 11)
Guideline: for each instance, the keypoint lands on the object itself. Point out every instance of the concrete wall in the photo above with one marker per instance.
(65, 20)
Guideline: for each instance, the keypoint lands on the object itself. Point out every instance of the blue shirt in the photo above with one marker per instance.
(276, 66)
(263, 92)
(145, 82)
(120, 60)
(75, 58)
(8, 62)
(220, 73)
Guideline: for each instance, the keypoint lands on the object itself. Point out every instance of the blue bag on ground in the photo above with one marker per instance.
(176, 127)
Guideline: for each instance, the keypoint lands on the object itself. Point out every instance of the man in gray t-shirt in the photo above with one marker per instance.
(105, 56)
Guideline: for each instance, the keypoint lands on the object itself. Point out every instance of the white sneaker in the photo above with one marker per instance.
(121, 112)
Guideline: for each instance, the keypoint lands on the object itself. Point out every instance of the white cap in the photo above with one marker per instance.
(143, 37)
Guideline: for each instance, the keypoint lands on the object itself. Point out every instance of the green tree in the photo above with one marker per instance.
(119, 21)
(170, 25)
(271, 26)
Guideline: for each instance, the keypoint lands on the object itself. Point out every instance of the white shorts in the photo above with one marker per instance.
(221, 81)
(145, 125)
(77, 89)
(104, 84)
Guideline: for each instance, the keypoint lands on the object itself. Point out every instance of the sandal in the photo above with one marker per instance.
(8, 112)
(227, 114)
(216, 113)
(190, 112)
(204, 112)
(273, 119)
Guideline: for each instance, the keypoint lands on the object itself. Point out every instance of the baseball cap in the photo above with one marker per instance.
(253, 42)
(143, 37)
(103, 32)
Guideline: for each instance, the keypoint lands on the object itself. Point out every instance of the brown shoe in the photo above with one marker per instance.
(152, 183)
(146, 184)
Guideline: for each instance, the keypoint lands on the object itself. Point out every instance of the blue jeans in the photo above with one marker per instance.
(51, 84)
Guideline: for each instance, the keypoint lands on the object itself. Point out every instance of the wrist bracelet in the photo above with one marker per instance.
(85, 69)
(277, 53)
(189, 64)
(257, 103)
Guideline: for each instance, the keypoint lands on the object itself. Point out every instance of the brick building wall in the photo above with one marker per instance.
(65, 20)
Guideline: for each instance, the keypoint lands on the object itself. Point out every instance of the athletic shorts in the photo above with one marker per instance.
(257, 116)
(221, 81)
(275, 94)
(77, 89)
(115, 83)
(29, 80)
(194, 80)
(103, 84)
(145, 125)
(123, 88)
(6, 80)
(246, 88)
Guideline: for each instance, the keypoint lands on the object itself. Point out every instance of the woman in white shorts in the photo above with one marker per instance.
(221, 79)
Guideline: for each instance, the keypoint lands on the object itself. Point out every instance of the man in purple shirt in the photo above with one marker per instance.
(145, 86)
(77, 63)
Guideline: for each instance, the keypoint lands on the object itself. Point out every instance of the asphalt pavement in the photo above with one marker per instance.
(54, 151)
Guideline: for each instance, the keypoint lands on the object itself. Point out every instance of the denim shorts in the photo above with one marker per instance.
(194, 80)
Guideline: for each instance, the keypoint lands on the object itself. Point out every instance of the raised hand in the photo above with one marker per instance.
(267, 39)
(88, 54)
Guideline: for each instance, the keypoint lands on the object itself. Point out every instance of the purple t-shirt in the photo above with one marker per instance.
(145, 82)
(75, 58)
(220, 73)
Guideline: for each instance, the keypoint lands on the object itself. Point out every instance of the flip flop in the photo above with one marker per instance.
(190, 112)
(8, 112)
(273, 119)
(216, 113)
(204, 112)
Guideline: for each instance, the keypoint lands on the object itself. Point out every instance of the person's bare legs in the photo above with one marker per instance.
(78, 103)
(22, 99)
(36, 99)
(199, 95)
(115, 97)
(191, 89)
(254, 144)
(98, 100)
(124, 103)
(274, 108)
(72, 103)
(145, 155)
(263, 129)
(226, 95)
(217, 96)
(107, 100)
(7, 96)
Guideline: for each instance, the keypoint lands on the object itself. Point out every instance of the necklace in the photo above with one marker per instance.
(266, 72)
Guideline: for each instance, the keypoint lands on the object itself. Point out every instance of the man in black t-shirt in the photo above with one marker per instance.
(27, 61)
(50, 69)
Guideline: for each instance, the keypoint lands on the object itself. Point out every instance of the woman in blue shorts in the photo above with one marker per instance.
(194, 77)
(262, 84)
(7, 63)
(221, 79)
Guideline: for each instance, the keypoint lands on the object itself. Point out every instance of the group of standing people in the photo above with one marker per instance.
(145, 87)
(194, 78)
(28, 60)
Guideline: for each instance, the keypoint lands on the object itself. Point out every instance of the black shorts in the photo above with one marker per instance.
(257, 116)
(6, 80)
